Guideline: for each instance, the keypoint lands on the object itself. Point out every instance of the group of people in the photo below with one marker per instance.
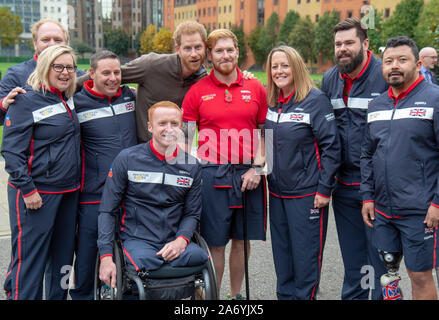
(88, 157)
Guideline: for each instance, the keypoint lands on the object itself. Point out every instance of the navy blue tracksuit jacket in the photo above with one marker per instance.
(41, 143)
(306, 146)
(400, 154)
(108, 125)
(351, 118)
(161, 201)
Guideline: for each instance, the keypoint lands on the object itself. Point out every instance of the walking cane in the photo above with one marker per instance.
(244, 224)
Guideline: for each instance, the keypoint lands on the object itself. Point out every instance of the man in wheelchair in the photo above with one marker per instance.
(153, 190)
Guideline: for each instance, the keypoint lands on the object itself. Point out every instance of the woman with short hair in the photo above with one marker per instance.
(41, 147)
(305, 153)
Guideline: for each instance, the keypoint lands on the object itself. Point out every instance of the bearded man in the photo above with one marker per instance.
(351, 85)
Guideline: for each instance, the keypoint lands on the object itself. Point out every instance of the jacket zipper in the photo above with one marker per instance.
(279, 111)
(386, 166)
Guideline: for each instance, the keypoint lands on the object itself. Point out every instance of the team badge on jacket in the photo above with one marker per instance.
(418, 112)
(182, 181)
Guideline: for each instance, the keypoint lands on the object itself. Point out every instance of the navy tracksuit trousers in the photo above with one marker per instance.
(86, 251)
(298, 234)
(43, 243)
(143, 255)
(357, 245)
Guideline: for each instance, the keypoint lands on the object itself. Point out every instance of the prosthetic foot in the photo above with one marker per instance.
(390, 281)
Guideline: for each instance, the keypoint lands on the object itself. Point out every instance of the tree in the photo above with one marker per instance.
(301, 38)
(253, 40)
(239, 32)
(268, 35)
(10, 27)
(287, 26)
(426, 32)
(162, 41)
(404, 19)
(117, 41)
(324, 37)
(137, 42)
(81, 48)
(148, 34)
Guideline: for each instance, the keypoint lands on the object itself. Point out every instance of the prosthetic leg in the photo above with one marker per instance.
(390, 280)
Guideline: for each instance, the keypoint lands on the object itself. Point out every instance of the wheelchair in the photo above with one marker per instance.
(165, 283)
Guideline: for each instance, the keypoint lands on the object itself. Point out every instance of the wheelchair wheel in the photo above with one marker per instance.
(208, 289)
(101, 290)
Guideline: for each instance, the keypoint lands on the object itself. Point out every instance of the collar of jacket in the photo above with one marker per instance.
(162, 157)
(88, 85)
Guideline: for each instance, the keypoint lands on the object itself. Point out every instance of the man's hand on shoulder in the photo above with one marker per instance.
(247, 75)
(10, 98)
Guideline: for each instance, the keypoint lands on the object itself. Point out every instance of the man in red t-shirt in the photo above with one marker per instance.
(229, 112)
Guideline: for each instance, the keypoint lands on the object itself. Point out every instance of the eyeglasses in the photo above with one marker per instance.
(433, 57)
(60, 68)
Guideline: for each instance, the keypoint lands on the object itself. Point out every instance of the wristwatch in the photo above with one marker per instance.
(258, 169)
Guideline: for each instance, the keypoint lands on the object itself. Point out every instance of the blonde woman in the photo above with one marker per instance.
(306, 154)
(41, 147)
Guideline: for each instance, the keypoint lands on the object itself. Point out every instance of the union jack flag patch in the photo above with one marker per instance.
(296, 117)
(418, 112)
(182, 181)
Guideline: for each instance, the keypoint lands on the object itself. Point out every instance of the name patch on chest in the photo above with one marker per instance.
(48, 111)
(157, 177)
(208, 97)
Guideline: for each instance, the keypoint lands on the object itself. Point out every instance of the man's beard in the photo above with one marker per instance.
(405, 77)
(395, 83)
(191, 67)
(346, 68)
(224, 70)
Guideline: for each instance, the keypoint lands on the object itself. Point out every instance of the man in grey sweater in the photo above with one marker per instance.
(167, 77)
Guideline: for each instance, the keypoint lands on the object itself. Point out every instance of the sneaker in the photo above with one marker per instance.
(237, 297)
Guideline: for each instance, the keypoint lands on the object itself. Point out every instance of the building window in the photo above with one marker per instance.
(386, 12)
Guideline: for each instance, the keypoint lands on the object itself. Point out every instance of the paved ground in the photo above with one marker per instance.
(261, 267)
